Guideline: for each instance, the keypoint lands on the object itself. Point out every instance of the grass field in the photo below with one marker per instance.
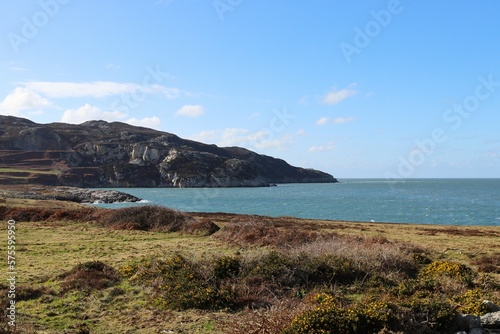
(99, 271)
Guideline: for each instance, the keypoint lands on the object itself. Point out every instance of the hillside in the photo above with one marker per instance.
(102, 154)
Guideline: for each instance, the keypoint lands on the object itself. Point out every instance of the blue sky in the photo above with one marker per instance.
(377, 89)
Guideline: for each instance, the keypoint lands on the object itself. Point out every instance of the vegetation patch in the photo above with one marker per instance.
(179, 284)
(90, 276)
(453, 270)
(488, 263)
(265, 233)
(145, 218)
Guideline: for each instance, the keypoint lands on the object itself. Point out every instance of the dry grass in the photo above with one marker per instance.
(259, 232)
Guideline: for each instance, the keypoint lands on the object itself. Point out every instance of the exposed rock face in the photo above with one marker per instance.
(102, 154)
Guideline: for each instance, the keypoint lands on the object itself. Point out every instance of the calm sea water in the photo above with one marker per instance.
(426, 201)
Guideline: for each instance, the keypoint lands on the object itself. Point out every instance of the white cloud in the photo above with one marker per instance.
(100, 89)
(262, 139)
(335, 96)
(240, 137)
(23, 99)
(322, 148)
(88, 113)
(148, 122)
(341, 120)
(338, 120)
(190, 110)
(322, 121)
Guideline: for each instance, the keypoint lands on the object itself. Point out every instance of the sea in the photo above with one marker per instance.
(420, 201)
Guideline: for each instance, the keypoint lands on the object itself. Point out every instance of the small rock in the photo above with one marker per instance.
(491, 320)
(490, 306)
(468, 321)
(476, 331)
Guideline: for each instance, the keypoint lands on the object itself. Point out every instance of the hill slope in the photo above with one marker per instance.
(102, 154)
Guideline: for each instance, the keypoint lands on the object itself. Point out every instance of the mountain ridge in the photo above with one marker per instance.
(103, 154)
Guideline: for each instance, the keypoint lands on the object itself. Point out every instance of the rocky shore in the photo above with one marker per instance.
(71, 194)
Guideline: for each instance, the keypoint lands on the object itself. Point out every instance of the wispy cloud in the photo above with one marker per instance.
(322, 148)
(335, 96)
(191, 110)
(338, 120)
(342, 120)
(23, 99)
(100, 89)
(322, 121)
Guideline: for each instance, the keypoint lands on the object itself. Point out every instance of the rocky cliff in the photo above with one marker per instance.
(102, 154)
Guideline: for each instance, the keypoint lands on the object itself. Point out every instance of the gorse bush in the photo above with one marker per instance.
(458, 272)
(471, 302)
(226, 267)
(430, 312)
(176, 284)
(330, 317)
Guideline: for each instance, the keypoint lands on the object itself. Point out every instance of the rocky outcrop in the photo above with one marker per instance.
(487, 323)
(102, 154)
(71, 194)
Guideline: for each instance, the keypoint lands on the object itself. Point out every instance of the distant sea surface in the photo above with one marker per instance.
(422, 201)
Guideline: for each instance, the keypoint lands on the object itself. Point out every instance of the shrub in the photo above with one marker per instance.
(177, 285)
(203, 227)
(26, 214)
(271, 320)
(385, 260)
(266, 233)
(430, 312)
(301, 271)
(90, 275)
(146, 218)
(458, 272)
(471, 302)
(329, 317)
(226, 267)
(128, 270)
